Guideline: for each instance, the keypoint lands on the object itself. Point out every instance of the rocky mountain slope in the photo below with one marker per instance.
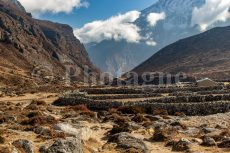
(29, 46)
(203, 55)
(115, 56)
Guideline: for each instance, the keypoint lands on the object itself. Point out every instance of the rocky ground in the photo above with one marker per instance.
(29, 122)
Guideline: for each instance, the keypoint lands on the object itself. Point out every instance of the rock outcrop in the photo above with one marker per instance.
(39, 48)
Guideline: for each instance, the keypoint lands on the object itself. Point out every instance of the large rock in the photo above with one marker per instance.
(24, 145)
(225, 143)
(181, 145)
(83, 133)
(126, 141)
(70, 145)
(208, 141)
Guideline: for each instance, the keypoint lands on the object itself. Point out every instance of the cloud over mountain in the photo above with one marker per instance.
(211, 12)
(153, 18)
(37, 7)
(120, 27)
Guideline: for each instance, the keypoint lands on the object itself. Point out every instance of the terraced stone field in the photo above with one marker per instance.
(189, 100)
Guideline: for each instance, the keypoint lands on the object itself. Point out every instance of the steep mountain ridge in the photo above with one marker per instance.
(30, 45)
(203, 55)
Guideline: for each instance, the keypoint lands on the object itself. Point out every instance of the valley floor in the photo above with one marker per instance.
(30, 122)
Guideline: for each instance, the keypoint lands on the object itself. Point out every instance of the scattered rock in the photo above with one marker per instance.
(181, 145)
(191, 131)
(208, 130)
(153, 118)
(219, 126)
(84, 133)
(208, 141)
(135, 126)
(225, 143)
(24, 145)
(43, 131)
(161, 134)
(139, 118)
(126, 141)
(120, 128)
(178, 124)
(70, 145)
(197, 141)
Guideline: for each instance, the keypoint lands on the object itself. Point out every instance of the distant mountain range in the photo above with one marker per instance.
(203, 55)
(117, 57)
(28, 45)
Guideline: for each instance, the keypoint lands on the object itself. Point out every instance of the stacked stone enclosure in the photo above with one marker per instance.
(189, 100)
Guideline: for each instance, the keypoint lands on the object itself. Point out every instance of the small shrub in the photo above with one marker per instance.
(162, 134)
(32, 107)
(120, 119)
(119, 128)
(40, 120)
(80, 108)
(55, 135)
(139, 118)
(89, 114)
(166, 117)
(116, 118)
(160, 112)
(33, 114)
(38, 102)
(2, 119)
(4, 149)
(2, 140)
(179, 124)
(131, 110)
(159, 136)
(113, 110)
(179, 114)
(133, 150)
(147, 124)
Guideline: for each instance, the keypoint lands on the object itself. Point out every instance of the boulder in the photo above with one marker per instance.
(197, 141)
(126, 141)
(83, 133)
(162, 134)
(225, 143)
(70, 145)
(208, 130)
(43, 131)
(208, 141)
(181, 145)
(24, 145)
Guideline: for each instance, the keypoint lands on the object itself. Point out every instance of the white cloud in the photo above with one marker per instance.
(120, 27)
(153, 18)
(211, 12)
(151, 43)
(37, 7)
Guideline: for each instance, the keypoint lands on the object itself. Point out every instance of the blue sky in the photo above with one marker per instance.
(97, 10)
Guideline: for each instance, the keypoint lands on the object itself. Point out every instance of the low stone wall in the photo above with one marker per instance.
(190, 99)
(145, 90)
(113, 91)
(125, 96)
(204, 108)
